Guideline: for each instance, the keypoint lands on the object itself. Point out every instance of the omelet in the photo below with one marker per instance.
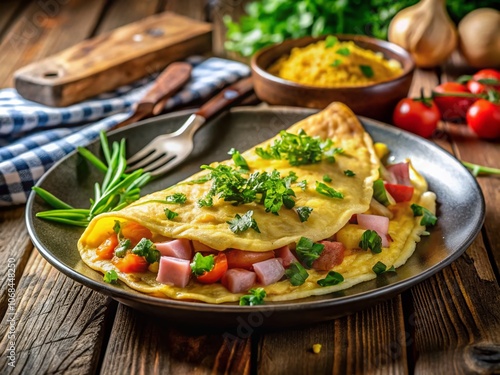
(314, 199)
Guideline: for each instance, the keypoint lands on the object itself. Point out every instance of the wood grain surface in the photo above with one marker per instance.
(448, 324)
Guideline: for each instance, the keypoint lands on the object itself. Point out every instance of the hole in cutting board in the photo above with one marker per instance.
(51, 74)
(155, 32)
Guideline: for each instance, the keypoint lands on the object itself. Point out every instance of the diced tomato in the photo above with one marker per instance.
(220, 268)
(332, 255)
(285, 254)
(131, 263)
(136, 232)
(106, 250)
(245, 259)
(400, 193)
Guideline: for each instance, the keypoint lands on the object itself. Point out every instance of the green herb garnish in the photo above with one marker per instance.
(304, 212)
(328, 191)
(371, 240)
(336, 63)
(308, 251)
(296, 273)
(330, 41)
(146, 248)
(380, 268)
(239, 160)
(344, 51)
(178, 198)
(332, 278)
(327, 178)
(254, 297)
(123, 246)
(349, 173)
(171, 215)
(366, 70)
(202, 264)
(111, 277)
(241, 223)
(380, 193)
(302, 184)
(428, 218)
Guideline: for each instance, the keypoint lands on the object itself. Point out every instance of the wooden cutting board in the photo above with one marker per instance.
(113, 59)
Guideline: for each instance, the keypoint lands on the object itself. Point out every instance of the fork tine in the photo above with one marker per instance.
(140, 155)
(167, 167)
(148, 159)
(165, 159)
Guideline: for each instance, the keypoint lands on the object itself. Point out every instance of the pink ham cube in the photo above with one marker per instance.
(269, 271)
(179, 248)
(238, 280)
(174, 271)
(286, 255)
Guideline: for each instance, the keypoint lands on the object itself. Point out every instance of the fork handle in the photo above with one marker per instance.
(226, 98)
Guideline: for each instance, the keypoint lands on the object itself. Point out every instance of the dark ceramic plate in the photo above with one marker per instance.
(460, 212)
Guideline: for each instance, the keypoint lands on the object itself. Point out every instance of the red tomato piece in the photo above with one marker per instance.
(332, 255)
(136, 232)
(416, 117)
(131, 263)
(106, 250)
(477, 87)
(220, 268)
(453, 100)
(245, 259)
(483, 117)
(400, 193)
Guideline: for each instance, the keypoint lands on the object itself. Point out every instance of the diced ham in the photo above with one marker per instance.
(401, 172)
(238, 280)
(286, 255)
(179, 248)
(332, 255)
(174, 271)
(379, 224)
(245, 259)
(269, 271)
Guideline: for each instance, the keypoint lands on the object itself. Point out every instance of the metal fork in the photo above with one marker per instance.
(169, 150)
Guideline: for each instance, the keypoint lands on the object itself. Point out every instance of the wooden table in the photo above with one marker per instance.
(449, 323)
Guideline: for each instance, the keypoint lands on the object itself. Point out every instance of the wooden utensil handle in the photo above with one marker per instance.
(226, 98)
(166, 85)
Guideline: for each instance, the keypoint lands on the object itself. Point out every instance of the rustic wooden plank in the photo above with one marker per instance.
(123, 12)
(195, 9)
(153, 345)
(58, 324)
(372, 341)
(9, 11)
(456, 323)
(44, 30)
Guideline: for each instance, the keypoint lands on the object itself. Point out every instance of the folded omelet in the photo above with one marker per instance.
(328, 214)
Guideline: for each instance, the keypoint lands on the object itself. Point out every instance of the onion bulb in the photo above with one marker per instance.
(479, 33)
(426, 31)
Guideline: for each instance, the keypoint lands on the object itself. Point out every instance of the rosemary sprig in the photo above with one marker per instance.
(117, 190)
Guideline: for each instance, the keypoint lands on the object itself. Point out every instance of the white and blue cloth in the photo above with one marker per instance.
(34, 136)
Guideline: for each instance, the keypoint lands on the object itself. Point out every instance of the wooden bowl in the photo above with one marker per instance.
(374, 100)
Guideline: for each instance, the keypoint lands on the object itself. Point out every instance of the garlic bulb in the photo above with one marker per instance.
(480, 37)
(426, 31)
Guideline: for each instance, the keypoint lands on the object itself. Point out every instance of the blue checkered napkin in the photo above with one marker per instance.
(33, 136)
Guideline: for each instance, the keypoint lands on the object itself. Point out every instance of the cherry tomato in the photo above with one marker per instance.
(400, 193)
(476, 87)
(453, 100)
(245, 259)
(483, 117)
(415, 116)
(106, 250)
(131, 263)
(135, 232)
(220, 268)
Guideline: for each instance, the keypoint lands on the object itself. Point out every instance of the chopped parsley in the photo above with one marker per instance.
(371, 240)
(254, 297)
(428, 218)
(147, 249)
(296, 273)
(327, 178)
(202, 264)
(380, 268)
(328, 191)
(344, 51)
(298, 149)
(178, 198)
(111, 277)
(241, 223)
(123, 246)
(332, 278)
(366, 70)
(117, 228)
(304, 212)
(308, 251)
(349, 173)
(171, 215)
(330, 41)
(302, 184)
(238, 160)
(336, 63)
